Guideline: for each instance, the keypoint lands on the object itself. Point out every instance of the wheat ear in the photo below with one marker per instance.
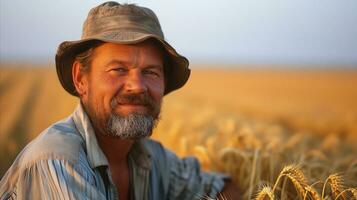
(311, 192)
(336, 183)
(294, 173)
(265, 192)
(352, 190)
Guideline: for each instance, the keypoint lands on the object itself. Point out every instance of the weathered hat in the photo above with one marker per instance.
(120, 24)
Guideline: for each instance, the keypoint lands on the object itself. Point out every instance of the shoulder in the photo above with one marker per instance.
(61, 141)
(59, 149)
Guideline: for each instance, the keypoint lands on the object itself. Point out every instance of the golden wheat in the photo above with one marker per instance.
(311, 193)
(352, 191)
(296, 176)
(266, 193)
(336, 184)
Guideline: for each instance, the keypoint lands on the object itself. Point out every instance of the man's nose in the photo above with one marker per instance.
(135, 83)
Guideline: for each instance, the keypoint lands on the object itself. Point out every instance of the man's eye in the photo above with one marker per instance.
(151, 72)
(120, 69)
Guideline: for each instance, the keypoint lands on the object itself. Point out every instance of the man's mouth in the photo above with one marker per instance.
(127, 104)
(132, 107)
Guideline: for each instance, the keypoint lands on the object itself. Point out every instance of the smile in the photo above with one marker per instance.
(132, 107)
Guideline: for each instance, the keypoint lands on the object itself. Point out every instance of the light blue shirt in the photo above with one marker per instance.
(66, 162)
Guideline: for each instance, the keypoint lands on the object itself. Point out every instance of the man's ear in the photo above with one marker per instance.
(79, 79)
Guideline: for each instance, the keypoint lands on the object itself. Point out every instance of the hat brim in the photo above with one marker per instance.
(176, 72)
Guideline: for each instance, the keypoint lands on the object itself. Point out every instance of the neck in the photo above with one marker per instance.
(116, 150)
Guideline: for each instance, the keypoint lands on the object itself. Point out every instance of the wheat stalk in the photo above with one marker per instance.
(352, 190)
(265, 192)
(295, 175)
(336, 183)
(253, 174)
(311, 192)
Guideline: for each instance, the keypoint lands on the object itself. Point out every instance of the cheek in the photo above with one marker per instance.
(106, 84)
(157, 94)
(157, 88)
(102, 89)
(110, 88)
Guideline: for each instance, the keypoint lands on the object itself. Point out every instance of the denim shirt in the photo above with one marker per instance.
(66, 162)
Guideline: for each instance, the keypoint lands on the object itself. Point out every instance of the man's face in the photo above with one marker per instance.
(124, 89)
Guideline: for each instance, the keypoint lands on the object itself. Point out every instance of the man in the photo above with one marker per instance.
(120, 70)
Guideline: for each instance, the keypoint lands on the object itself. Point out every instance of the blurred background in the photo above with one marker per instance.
(214, 32)
(265, 75)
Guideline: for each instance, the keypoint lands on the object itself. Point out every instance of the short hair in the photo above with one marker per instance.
(85, 58)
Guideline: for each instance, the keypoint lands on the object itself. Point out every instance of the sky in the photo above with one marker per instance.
(299, 32)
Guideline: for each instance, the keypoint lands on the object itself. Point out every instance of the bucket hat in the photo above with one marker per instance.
(121, 24)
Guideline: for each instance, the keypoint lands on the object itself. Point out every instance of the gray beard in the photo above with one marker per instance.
(133, 126)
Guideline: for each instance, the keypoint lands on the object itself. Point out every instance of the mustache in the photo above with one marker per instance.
(143, 99)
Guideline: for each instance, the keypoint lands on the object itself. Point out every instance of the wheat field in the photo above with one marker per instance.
(280, 134)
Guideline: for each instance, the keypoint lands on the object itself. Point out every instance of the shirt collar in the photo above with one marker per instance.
(95, 154)
(139, 153)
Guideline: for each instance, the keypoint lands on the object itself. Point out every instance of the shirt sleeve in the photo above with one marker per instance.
(187, 181)
(57, 179)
